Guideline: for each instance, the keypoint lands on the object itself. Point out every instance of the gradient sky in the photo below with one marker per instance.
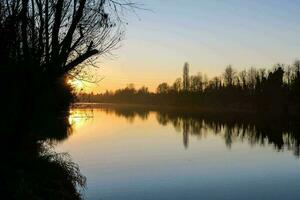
(209, 34)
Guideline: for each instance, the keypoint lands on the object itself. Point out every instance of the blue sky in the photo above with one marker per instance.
(209, 34)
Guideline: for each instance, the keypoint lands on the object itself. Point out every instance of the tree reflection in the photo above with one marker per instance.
(127, 112)
(31, 168)
(278, 132)
(186, 129)
(282, 133)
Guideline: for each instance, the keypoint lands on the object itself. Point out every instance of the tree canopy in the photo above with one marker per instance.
(56, 36)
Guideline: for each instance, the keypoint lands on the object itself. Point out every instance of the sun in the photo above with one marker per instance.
(77, 84)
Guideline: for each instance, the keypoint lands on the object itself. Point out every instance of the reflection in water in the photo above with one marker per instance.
(32, 169)
(281, 133)
(139, 153)
(127, 112)
(78, 117)
(185, 131)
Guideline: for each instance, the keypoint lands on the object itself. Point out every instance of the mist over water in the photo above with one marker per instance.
(136, 153)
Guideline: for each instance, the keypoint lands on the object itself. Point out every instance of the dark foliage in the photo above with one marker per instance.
(30, 168)
(44, 41)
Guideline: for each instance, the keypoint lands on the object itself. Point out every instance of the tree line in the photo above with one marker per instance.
(275, 90)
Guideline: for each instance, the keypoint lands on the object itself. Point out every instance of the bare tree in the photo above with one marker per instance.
(55, 37)
(243, 78)
(251, 78)
(196, 83)
(229, 75)
(297, 69)
(215, 83)
(288, 75)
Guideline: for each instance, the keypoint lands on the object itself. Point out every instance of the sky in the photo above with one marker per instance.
(208, 34)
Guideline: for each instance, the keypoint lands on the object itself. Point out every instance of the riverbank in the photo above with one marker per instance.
(229, 111)
(188, 109)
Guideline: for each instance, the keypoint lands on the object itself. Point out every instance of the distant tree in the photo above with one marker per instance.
(288, 75)
(297, 67)
(186, 78)
(205, 81)
(143, 91)
(177, 85)
(229, 76)
(296, 70)
(251, 78)
(214, 84)
(262, 73)
(296, 81)
(196, 83)
(163, 88)
(243, 78)
(276, 78)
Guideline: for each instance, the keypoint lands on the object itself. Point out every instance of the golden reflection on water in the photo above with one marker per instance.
(106, 124)
(78, 118)
(114, 149)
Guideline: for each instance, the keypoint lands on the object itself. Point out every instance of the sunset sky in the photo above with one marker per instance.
(209, 34)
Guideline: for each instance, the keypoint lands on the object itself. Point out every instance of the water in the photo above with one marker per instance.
(132, 154)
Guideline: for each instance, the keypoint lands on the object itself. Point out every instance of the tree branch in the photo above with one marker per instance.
(79, 60)
(56, 27)
(68, 39)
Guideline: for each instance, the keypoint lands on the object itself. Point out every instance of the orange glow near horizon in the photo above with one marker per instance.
(207, 35)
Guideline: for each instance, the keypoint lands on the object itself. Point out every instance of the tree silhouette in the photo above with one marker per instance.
(251, 91)
(229, 76)
(185, 78)
(163, 88)
(43, 41)
(196, 83)
(54, 37)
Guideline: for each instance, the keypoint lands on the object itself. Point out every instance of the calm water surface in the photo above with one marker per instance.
(132, 155)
